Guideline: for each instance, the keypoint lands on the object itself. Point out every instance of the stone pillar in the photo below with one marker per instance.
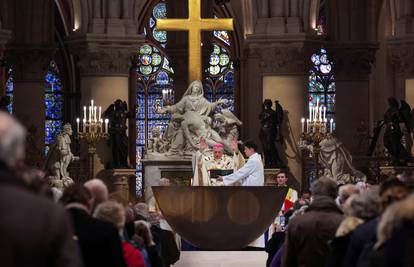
(352, 67)
(29, 70)
(4, 38)
(276, 70)
(104, 69)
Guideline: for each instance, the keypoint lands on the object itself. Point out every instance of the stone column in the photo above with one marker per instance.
(352, 67)
(277, 71)
(104, 69)
(4, 38)
(29, 70)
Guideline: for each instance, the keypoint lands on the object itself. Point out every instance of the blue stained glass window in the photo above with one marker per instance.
(220, 79)
(10, 88)
(322, 83)
(53, 104)
(154, 74)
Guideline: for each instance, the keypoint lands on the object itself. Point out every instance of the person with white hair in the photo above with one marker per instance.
(47, 239)
(98, 190)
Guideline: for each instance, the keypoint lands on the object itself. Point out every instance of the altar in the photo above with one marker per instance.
(177, 170)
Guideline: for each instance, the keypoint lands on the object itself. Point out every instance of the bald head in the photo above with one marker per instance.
(12, 141)
(98, 190)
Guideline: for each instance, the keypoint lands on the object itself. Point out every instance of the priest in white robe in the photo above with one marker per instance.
(252, 173)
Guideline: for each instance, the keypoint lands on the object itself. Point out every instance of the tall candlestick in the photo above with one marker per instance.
(106, 125)
(84, 112)
(100, 110)
(92, 104)
(310, 113)
(303, 124)
(90, 114)
(94, 114)
(331, 125)
(308, 125)
(324, 113)
(77, 125)
(84, 125)
(320, 113)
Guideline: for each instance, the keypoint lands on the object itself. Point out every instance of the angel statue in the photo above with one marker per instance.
(395, 114)
(117, 113)
(58, 159)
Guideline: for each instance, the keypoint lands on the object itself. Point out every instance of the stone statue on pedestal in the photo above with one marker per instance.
(193, 117)
(270, 133)
(337, 161)
(117, 113)
(58, 159)
(395, 115)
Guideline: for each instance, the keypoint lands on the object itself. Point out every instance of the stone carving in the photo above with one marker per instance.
(337, 161)
(270, 133)
(58, 159)
(400, 55)
(105, 62)
(155, 143)
(194, 117)
(281, 59)
(117, 113)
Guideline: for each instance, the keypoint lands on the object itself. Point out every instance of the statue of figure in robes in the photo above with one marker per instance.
(195, 111)
(58, 159)
(270, 133)
(337, 161)
(117, 113)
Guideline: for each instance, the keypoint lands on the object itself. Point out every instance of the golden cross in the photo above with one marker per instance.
(194, 24)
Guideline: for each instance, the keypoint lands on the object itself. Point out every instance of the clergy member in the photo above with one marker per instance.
(252, 173)
(204, 162)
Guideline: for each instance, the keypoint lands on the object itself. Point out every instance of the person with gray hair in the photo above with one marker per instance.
(12, 141)
(345, 191)
(98, 190)
(358, 208)
(307, 236)
(37, 232)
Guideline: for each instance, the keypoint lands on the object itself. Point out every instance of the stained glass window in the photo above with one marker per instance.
(9, 88)
(322, 84)
(53, 104)
(219, 82)
(154, 75)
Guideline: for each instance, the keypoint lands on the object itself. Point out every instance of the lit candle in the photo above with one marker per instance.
(331, 125)
(92, 104)
(77, 125)
(315, 114)
(100, 110)
(308, 127)
(94, 114)
(310, 113)
(320, 113)
(324, 113)
(102, 126)
(106, 125)
(84, 125)
(90, 114)
(303, 124)
(84, 112)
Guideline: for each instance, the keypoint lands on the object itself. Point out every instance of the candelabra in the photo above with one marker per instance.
(92, 130)
(166, 100)
(314, 131)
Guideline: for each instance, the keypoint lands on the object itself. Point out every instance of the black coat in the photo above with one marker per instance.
(99, 241)
(307, 236)
(34, 231)
(273, 245)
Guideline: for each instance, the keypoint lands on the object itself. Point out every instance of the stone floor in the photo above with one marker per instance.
(222, 259)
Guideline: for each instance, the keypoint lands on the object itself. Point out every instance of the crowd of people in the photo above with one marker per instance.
(81, 226)
(350, 226)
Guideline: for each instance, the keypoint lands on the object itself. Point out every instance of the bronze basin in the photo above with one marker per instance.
(219, 218)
